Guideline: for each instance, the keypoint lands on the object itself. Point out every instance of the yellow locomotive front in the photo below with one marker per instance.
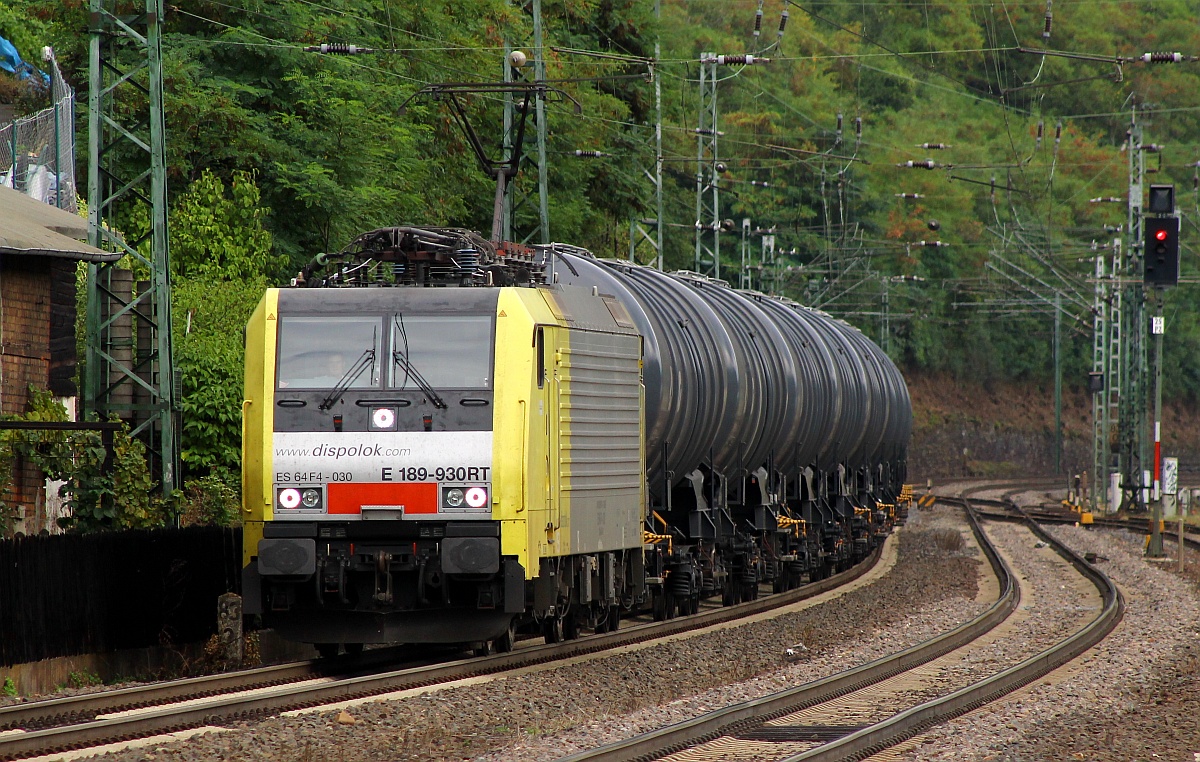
(440, 464)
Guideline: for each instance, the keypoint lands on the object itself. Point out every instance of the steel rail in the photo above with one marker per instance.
(66, 710)
(280, 698)
(732, 719)
(877, 737)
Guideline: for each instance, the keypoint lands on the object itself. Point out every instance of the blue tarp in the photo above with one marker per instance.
(11, 62)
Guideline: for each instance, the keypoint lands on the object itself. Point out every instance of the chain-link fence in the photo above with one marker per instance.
(37, 153)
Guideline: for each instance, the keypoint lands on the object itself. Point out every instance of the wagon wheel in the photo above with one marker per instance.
(614, 618)
(570, 627)
(507, 639)
(552, 629)
(660, 606)
(326, 650)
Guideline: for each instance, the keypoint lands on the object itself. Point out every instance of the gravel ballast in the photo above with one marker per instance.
(548, 713)
(1133, 697)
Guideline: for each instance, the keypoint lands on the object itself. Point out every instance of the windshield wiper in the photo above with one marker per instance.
(367, 360)
(401, 359)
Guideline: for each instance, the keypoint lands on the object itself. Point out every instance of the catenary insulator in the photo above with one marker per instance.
(590, 154)
(783, 18)
(927, 164)
(746, 58)
(1049, 21)
(933, 146)
(1162, 57)
(338, 48)
(758, 21)
(910, 195)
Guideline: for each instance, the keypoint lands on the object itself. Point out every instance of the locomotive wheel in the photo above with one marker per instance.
(483, 649)
(326, 650)
(614, 618)
(669, 603)
(728, 595)
(353, 649)
(749, 591)
(504, 644)
(695, 604)
(570, 627)
(684, 605)
(660, 607)
(552, 629)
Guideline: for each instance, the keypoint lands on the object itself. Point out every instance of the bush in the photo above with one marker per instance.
(210, 501)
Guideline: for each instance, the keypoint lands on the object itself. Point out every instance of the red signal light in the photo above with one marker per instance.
(1160, 235)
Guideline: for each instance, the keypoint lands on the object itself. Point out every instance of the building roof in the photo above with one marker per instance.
(32, 228)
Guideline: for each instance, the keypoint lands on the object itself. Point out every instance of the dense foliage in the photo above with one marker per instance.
(1030, 139)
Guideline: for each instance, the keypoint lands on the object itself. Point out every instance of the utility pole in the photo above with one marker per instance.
(1057, 382)
(130, 368)
(1161, 255)
(515, 199)
(746, 275)
(708, 170)
(638, 232)
(1132, 422)
(1107, 374)
(769, 276)
(708, 166)
(1155, 548)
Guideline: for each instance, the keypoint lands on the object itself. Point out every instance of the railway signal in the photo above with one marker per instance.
(1162, 251)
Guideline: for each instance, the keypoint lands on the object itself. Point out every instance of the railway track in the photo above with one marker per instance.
(843, 716)
(93, 720)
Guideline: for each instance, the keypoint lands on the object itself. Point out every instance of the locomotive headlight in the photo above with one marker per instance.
(383, 419)
(311, 498)
(477, 497)
(289, 498)
(454, 497)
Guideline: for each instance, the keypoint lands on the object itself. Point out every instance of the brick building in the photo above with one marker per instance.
(40, 249)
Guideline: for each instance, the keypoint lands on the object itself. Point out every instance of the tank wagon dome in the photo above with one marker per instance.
(740, 379)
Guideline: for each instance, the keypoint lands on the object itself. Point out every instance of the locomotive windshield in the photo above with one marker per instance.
(316, 353)
(448, 351)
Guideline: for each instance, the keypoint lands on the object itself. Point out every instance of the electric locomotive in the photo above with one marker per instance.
(429, 464)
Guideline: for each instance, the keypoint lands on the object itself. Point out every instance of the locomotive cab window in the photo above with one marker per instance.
(322, 352)
(448, 351)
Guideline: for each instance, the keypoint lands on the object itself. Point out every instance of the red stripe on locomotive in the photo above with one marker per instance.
(415, 497)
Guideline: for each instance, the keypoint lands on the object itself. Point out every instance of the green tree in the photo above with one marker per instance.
(219, 236)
